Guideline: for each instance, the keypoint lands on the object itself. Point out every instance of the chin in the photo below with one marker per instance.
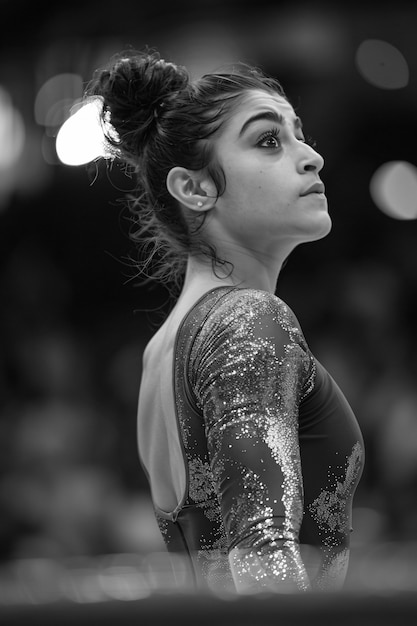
(320, 229)
(324, 225)
(327, 227)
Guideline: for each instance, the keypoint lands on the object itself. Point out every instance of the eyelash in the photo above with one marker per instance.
(274, 132)
(311, 142)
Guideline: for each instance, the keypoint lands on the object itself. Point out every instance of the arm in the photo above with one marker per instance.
(248, 382)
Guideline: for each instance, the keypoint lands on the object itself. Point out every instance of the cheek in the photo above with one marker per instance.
(246, 184)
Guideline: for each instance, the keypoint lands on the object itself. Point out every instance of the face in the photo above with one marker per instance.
(273, 193)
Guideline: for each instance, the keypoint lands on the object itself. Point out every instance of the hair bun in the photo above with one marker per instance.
(133, 89)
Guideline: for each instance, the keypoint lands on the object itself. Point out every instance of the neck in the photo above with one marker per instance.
(244, 269)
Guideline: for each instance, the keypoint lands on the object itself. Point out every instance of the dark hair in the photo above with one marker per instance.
(162, 119)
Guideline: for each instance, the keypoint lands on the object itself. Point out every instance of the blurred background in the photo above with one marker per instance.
(75, 515)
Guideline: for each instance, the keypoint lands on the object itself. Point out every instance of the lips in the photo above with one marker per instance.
(316, 187)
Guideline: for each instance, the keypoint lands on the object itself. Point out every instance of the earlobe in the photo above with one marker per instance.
(190, 189)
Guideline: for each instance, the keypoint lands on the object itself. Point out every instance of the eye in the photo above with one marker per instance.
(270, 139)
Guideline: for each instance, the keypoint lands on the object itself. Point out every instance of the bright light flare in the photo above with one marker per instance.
(393, 188)
(80, 139)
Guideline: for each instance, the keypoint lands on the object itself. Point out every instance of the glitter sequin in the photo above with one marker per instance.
(258, 419)
(329, 509)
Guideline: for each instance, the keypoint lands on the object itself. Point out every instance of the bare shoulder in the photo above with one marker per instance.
(156, 345)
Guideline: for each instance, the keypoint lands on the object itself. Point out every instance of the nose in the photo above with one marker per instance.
(310, 161)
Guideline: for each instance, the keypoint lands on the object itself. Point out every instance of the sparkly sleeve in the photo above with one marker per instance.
(250, 368)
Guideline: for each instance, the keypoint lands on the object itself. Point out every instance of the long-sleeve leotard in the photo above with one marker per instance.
(271, 448)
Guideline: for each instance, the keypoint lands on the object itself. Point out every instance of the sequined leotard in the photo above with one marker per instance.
(252, 451)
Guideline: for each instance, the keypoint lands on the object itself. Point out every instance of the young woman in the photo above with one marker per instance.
(252, 451)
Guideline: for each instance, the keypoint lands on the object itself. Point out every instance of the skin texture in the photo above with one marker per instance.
(266, 171)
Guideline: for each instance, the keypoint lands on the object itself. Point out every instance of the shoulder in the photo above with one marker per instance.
(247, 332)
(248, 314)
(265, 302)
(251, 307)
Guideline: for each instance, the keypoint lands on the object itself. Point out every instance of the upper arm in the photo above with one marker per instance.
(248, 379)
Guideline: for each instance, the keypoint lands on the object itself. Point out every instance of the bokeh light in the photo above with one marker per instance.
(12, 132)
(56, 97)
(393, 188)
(382, 64)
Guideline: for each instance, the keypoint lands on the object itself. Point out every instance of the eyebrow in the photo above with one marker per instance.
(271, 116)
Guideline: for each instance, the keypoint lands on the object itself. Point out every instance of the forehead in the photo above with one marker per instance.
(257, 101)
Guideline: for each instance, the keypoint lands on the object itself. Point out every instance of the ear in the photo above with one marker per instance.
(193, 189)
